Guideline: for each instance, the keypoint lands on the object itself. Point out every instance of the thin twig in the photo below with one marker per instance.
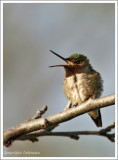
(103, 132)
(40, 112)
(74, 134)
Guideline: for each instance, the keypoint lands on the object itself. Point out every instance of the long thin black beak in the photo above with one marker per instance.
(59, 56)
(59, 66)
(62, 65)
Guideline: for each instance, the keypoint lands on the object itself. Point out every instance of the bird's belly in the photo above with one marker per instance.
(74, 90)
(80, 87)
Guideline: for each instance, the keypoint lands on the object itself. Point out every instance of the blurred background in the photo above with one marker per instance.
(30, 31)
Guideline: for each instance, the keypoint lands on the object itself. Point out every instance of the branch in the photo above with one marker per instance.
(54, 120)
(40, 112)
(74, 135)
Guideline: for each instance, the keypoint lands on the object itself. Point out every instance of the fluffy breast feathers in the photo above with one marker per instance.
(80, 87)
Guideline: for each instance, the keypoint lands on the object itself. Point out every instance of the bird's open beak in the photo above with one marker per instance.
(61, 58)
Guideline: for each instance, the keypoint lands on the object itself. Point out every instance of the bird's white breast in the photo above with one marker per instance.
(74, 88)
(80, 87)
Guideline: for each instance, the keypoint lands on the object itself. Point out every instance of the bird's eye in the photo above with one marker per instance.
(79, 62)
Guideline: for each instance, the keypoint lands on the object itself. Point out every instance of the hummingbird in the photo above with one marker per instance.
(81, 82)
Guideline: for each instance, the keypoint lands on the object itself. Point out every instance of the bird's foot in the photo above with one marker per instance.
(69, 105)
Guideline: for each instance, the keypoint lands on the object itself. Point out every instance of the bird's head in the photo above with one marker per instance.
(76, 63)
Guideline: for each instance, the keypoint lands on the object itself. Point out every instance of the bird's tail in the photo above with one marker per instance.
(96, 117)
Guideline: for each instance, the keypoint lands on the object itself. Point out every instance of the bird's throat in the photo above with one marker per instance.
(72, 70)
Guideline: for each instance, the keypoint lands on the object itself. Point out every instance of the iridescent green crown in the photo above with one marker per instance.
(75, 56)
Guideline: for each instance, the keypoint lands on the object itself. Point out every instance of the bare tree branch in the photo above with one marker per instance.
(40, 112)
(73, 134)
(51, 121)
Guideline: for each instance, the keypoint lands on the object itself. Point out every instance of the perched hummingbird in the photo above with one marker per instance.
(81, 82)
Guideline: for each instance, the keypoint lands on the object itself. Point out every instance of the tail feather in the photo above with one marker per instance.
(97, 119)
